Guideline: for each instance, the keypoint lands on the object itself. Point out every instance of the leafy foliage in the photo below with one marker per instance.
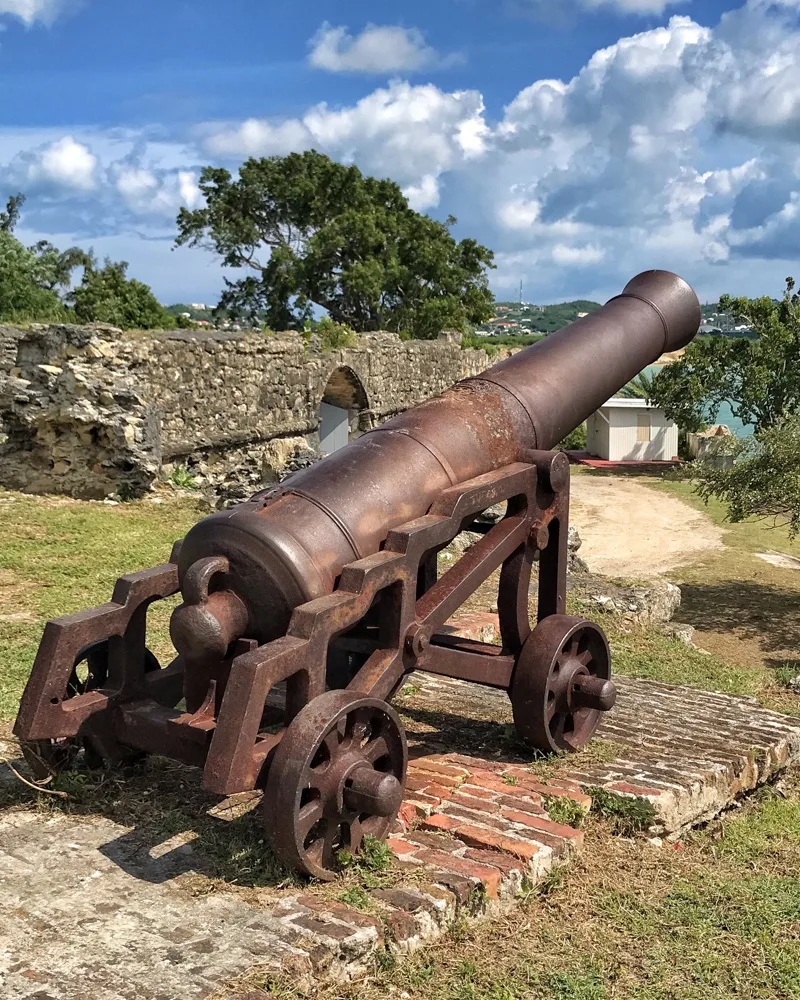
(764, 479)
(32, 277)
(760, 379)
(24, 279)
(640, 388)
(35, 284)
(107, 295)
(574, 441)
(10, 218)
(332, 336)
(313, 232)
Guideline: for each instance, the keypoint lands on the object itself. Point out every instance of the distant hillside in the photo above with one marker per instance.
(515, 319)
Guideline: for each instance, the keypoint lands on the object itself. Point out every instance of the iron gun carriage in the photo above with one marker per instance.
(328, 587)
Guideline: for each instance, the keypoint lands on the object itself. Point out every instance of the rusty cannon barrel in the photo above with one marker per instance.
(243, 571)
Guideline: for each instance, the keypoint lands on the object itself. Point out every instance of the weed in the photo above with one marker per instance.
(565, 810)
(182, 478)
(375, 856)
(510, 779)
(410, 690)
(335, 336)
(627, 816)
(357, 898)
(552, 881)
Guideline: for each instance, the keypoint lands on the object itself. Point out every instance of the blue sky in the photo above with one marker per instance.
(582, 147)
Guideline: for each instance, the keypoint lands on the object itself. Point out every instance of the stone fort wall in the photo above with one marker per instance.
(87, 411)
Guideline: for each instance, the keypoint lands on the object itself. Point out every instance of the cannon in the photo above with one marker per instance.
(305, 608)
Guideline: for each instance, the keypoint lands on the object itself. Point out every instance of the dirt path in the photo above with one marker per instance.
(631, 531)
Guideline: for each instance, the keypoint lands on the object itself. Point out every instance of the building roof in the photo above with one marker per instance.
(633, 404)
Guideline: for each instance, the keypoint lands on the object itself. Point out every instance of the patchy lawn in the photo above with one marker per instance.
(746, 611)
(58, 556)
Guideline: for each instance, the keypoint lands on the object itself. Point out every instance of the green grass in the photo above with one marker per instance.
(59, 556)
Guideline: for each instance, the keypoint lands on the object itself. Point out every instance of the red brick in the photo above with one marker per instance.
(434, 777)
(418, 782)
(474, 763)
(408, 814)
(504, 862)
(477, 791)
(440, 822)
(490, 877)
(554, 789)
(532, 803)
(430, 764)
(485, 779)
(419, 805)
(476, 836)
(475, 816)
(545, 825)
(435, 841)
(401, 847)
(475, 802)
(439, 791)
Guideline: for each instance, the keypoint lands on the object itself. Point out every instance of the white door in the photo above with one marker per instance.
(334, 428)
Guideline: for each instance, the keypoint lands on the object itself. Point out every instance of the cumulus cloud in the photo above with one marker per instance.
(379, 49)
(413, 134)
(63, 163)
(31, 11)
(156, 192)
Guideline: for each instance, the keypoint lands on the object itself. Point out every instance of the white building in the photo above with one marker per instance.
(631, 430)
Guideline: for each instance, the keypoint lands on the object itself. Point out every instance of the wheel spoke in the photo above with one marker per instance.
(356, 836)
(331, 831)
(376, 749)
(308, 815)
(333, 741)
(585, 658)
(557, 725)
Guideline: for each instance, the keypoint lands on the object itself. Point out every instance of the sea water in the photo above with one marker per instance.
(724, 414)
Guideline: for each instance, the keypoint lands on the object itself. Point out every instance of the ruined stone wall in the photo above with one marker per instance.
(87, 411)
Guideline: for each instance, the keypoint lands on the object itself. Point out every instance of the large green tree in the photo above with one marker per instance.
(107, 295)
(313, 232)
(759, 379)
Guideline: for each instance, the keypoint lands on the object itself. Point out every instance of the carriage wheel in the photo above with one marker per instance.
(562, 684)
(337, 776)
(48, 758)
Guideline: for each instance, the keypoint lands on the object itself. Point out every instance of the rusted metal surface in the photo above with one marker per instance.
(331, 581)
(562, 683)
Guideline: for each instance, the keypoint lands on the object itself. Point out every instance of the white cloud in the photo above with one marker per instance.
(156, 193)
(632, 6)
(571, 256)
(379, 49)
(406, 132)
(31, 11)
(424, 195)
(63, 163)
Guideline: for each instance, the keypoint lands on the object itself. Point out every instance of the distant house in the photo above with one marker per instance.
(631, 430)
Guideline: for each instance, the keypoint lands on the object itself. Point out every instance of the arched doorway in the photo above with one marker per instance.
(343, 411)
